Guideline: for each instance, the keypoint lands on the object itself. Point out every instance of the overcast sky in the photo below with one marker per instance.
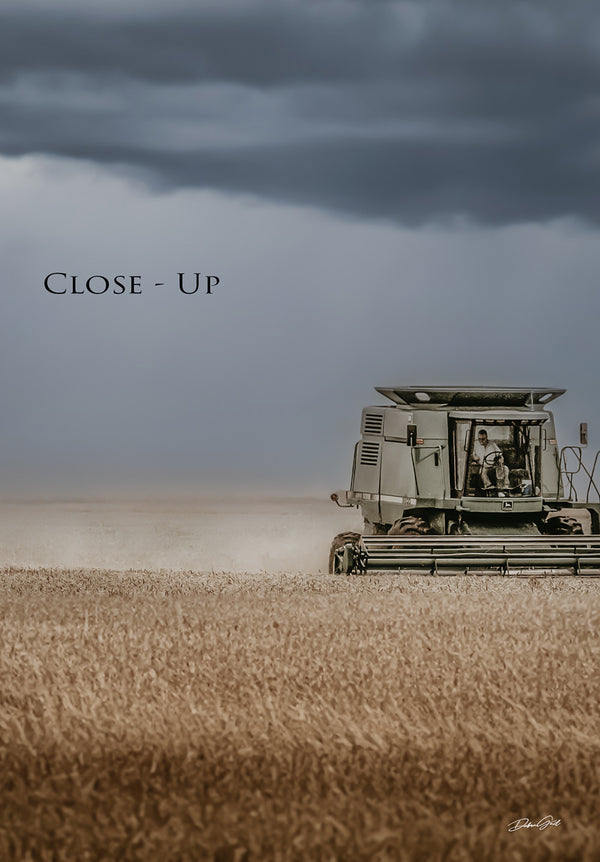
(390, 193)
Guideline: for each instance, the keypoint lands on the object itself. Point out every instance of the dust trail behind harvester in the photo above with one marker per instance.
(200, 535)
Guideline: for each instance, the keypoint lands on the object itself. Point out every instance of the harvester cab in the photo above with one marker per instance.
(497, 457)
(470, 480)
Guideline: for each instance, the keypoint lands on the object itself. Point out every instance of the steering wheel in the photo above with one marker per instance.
(489, 460)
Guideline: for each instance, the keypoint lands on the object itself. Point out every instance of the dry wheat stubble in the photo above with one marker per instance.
(148, 714)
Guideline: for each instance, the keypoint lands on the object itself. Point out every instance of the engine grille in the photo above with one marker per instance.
(369, 453)
(372, 423)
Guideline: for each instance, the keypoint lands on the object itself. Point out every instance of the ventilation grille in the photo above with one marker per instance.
(369, 453)
(373, 423)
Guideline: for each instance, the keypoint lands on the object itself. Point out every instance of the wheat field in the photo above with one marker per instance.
(193, 716)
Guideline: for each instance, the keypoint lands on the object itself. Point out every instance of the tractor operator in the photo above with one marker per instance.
(482, 448)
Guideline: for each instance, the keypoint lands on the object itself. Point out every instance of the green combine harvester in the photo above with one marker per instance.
(469, 481)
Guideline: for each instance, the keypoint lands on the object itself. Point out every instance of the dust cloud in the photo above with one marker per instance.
(231, 535)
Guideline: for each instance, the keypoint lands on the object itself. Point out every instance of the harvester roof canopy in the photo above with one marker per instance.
(469, 396)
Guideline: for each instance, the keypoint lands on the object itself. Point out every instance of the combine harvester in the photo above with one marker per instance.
(468, 481)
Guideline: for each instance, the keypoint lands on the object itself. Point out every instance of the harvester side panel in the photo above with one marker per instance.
(367, 468)
(397, 470)
(552, 486)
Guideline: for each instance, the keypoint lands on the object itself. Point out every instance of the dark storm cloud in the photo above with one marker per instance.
(405, 111)
(262, 45)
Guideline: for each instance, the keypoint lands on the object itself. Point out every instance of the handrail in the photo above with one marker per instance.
(567, 475)
(591, 482)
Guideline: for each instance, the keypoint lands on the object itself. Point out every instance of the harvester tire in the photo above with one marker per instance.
(340, 540)
(564, 525)
(411, 525)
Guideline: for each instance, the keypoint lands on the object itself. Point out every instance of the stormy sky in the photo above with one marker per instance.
(389, 192)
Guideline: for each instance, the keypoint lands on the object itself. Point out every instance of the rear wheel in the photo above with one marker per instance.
(563, 525)
(339, 561)
(411, 525)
